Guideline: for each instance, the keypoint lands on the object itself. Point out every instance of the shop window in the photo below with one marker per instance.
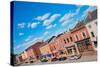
(87, 42)
(69, 51)
(74, 49)
(95, 43)
(61, 52)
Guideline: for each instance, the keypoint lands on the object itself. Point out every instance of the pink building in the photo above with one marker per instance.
(81, 37)
(55, 46)
(68, 44)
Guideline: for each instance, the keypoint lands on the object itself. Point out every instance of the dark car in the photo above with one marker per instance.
(26, 62)
(62, 58)
(32, 61)
(54, 59)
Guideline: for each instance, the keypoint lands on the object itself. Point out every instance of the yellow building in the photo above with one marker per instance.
(45, 51)
(24, 55)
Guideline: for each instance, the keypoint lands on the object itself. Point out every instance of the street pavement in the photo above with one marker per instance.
(86, 57)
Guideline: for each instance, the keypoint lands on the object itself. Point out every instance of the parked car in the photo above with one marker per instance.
(62, 58)
(26, 62)
(43, 60)
(54, 59)
(75, 57)
(32, 61)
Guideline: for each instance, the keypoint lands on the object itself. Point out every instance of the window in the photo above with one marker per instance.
(95, 44)
(87, 42)
(77, 37)
(65, 41)
(74, 49)
(71, 39)
(54, 48)
(70, 51)
(61, 52)
(92, 34)
(89, 26)
(84, 35)
(96, 23)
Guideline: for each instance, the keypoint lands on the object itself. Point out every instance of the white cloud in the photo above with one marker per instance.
(51, 26)
(50, 20)
(90, 8)
(77, 10)
(55, 16)
(32, 25)
(71, 14)
(28, 38)
(59, 31)
(45, 16)
(45, 33)
(21, 25)
(66, 22)
(20, 34)
(17, 47)
(28, 43)
(66, 17)
(31, 41)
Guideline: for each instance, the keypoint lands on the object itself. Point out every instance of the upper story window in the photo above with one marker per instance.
(64, 41)
(84, 35)
(96, 23)
(89, 26)
(77, 37)
(54, 47)
(71, 39)
(67, 40)
(92, 33)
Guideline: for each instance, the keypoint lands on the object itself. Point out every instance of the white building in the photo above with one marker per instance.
(91, 24)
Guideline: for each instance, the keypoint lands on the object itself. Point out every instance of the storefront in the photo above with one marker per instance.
(84, 45)
(72, 50)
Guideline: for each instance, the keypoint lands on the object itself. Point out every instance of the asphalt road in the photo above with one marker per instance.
(86, 57)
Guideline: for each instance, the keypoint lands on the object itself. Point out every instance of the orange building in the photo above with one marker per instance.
(34, 50)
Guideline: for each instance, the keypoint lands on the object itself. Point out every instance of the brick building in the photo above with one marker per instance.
(81, 37)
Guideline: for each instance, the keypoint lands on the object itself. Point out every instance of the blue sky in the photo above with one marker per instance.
(39, 21)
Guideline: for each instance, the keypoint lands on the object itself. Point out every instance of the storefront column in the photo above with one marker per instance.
(77, 49)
